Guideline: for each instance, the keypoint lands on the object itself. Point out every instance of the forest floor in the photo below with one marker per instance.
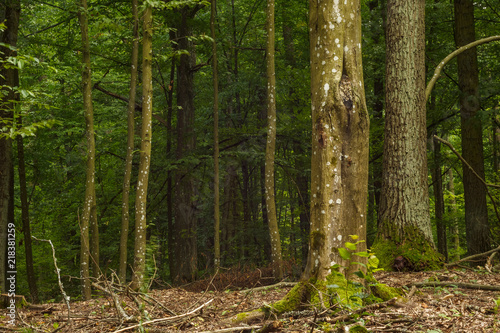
(444, 308)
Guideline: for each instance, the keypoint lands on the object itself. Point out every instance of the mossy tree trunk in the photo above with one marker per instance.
(89, 215)
(145, 159)
(122, 270)
(404, 217)
(271, 146)
(477, 228)
(339, 163)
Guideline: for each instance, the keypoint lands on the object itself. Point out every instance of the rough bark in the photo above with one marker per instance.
(9, 10)
(476, 213)
(89, 209)
(145, 158)
(185, 207)
(122, 270)
(404, 217)
(271, 145)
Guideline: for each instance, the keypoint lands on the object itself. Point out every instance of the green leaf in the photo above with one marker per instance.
(346, 255)
(363, 254)
(360, 274)
(354, 237)
(350, 246)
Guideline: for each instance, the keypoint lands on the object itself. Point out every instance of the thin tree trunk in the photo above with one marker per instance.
(216, 140)
(122, 270)
(25, 217)
(452, 209)
(90, 202)
(271, 146)
(476, 211)
(437, 180)
(145, 160)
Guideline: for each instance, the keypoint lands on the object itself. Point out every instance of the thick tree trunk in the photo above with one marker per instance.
(89, 209)
(476, 212)
(145, 160)
(276, 261)
(404, 217)
(339, 163)
(122, 270)
(185, 208)
(11, 10)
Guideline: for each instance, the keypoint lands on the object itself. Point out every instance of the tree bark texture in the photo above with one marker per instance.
(404, 203)
(437, 183)
(339, 163)
(271, 145)
(476, 212)
(89, 213)
(145, 158)
(11, 10)
(185, 207)
(122, 269)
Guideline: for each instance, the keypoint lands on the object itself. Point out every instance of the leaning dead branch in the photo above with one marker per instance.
(58, 271)
(159, 320)
(475, 256)
(456, 284)
(277, 285)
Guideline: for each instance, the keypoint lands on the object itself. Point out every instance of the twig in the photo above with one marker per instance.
(164, 319)
(456, 284)
(475, 174)
(58, 271)
(280, 284)
(234, 329)
(370, 307)
(118, 307)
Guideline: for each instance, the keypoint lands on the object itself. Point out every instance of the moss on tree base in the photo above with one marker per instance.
(419, 254)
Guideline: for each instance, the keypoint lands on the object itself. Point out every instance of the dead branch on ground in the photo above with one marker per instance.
(456, 284)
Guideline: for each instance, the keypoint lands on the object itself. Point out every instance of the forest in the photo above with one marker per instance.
(332, 150)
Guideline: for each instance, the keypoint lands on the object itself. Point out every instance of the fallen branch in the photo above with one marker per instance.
(124, 317)
(455, 284)
(370, 307)
(234, 329)
(475, 256)
(277, 285)
(58, 271)
(163, 319)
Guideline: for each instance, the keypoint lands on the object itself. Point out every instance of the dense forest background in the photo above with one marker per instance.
(49, 59)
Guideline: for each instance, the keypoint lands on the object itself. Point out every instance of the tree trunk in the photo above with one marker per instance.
(476, 212)
(25, 217)
(216, 140)
(185, 208)
(452, 209)
(276, 261)
(437, 181)
(145, 159)
(404, 217)
(89, 209)
(11, 10)
(122, 270)
(339, 163)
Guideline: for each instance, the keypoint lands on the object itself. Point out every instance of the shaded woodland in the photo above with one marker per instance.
(193, 143)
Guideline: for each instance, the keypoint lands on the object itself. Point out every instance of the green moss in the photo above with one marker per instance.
(291, 301)
(384, 292)
(420, 254)
(240, 317)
